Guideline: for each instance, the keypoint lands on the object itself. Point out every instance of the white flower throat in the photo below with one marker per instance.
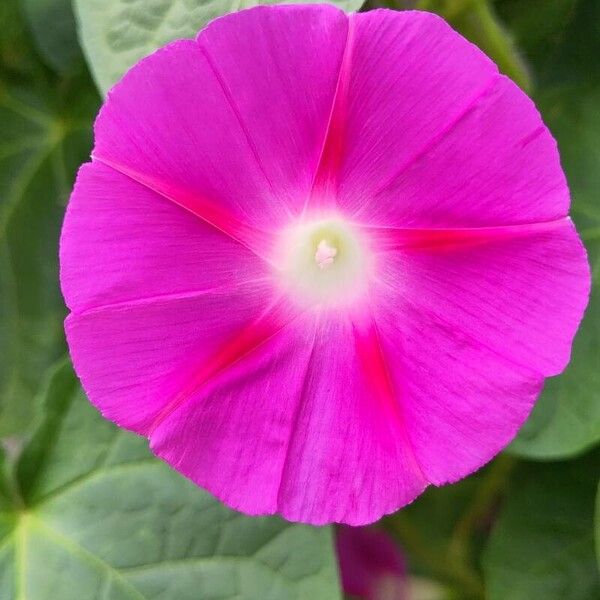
(323, 262)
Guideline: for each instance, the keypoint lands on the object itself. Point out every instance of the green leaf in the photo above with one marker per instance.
(115, 34)
(542, 545)
(17, 55)
(45, 135)
(566, 419)
(102, 518)
(52, 24)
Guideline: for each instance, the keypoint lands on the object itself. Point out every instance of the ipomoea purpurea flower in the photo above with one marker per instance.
(321, 260)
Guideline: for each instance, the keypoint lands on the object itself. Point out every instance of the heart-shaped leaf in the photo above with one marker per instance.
(45, 135)
(95, 515)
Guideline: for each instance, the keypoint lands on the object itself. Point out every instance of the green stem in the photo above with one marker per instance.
(9, 488)
(455, 565)
(500, 45)
(480, 506)
(441, 565)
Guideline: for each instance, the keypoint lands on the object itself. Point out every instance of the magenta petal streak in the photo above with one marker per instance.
(321, 260)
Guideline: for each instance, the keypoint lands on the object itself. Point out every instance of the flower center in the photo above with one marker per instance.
(323, 262)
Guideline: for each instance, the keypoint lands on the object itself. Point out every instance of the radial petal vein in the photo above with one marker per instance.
(373, 361)
(328, 167)
(162, 298)
(470, 105)
(235, 110)
(294, 426)
(392, 238)
(206, 209)
(270, 323)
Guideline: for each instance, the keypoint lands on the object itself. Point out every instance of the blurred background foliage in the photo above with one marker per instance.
(86, 512)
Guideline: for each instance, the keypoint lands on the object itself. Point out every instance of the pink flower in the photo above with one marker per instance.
(371, 565)
(321, 260)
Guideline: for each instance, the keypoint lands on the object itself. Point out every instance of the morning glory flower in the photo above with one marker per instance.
(321, 260)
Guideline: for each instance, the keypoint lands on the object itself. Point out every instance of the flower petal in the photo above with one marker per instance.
(481, 326)
(348, 458)
(447, 142)
(121, 242)
(134, 358)
(190, 120)
(293, 427)
(231, 433)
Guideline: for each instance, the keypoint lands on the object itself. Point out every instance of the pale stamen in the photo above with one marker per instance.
(325, 254)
